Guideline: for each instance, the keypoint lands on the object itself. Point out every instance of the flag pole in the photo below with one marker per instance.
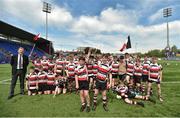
(32, 50)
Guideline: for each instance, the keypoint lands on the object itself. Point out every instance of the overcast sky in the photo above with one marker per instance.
(103, 24)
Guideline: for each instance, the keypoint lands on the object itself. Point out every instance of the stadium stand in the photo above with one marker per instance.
(11, 38)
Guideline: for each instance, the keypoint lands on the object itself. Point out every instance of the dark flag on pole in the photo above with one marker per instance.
(126, 45)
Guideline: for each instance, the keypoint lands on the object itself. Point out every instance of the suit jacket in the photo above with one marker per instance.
(14, 61)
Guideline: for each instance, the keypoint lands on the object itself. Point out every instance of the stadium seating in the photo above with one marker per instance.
(8, 47)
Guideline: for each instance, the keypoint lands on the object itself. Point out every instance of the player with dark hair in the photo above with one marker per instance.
(82, 84)
(155, 75)
(31, 81)
(103, 76)
(114, 71)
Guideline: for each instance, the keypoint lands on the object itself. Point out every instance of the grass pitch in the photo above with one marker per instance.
(68, 105)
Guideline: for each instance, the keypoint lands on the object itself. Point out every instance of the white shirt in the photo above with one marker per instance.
(18, 65)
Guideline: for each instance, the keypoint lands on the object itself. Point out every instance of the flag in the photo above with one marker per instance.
(126, 45)
(36, 37)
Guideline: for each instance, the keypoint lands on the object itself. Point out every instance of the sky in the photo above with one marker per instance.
(103, 24)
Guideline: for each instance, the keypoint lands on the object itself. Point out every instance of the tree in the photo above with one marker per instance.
(174, 48)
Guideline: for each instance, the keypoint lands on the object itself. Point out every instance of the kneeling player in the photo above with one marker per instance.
(42, 82)
(50, 82)
(31, 83)
(82, 84)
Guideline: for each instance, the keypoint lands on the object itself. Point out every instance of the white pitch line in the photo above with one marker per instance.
(172, 82)
(4, 80)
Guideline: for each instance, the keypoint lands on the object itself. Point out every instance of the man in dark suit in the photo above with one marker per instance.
(19, 65)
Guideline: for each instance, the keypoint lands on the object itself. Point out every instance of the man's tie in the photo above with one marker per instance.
(20, 62)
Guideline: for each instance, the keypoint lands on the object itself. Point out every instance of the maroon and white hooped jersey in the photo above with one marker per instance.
(51, 78)
(71, 69)
(32, 80)
(59, 65)
(103, 71)
(130, 68)
(95, 69)
(146, 65)
(154, 72)
(82, 72)
(115, 67)
(51, 64)
(44, 64)
(138, 70)
(90, 69)
(42, 77)
(66, 62)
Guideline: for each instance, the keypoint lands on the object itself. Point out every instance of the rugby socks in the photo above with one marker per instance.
(95, 99)
(83, 107)
(104, 100)
(105, 104)
(94, 102)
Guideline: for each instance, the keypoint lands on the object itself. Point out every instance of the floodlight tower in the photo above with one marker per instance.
(47, 10)
(167, 12)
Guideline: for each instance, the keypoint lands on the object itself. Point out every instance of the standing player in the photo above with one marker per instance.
(114, 71)
(59, 69)
(122, 68)
(155, 75)
(70, 71)
(145, 73)
(31, 83)
(130, 71)
(44, 64)
(82, 84)
(89, 65)
(37, 64)
(103, 76)
(51, 64)
(95, 71)
(138, 74)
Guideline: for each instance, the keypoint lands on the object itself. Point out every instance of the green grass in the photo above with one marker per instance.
(69, 104)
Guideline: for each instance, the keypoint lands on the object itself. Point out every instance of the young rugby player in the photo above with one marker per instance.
(42, 81)
(82, 84)
(31, 81)
(103, 76)
(114, 71)
(155, 75)
(70, 71)
(51, 81)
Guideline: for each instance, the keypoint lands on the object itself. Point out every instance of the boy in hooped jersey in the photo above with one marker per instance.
(31, 81)
(155, 75)
(82, 84)
(42, 81)
(70, 72)
(103, 76)
(114, 71)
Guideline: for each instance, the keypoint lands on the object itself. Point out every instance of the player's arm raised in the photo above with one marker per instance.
(88, 55)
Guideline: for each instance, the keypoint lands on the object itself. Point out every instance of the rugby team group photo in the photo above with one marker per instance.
(89, 58)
